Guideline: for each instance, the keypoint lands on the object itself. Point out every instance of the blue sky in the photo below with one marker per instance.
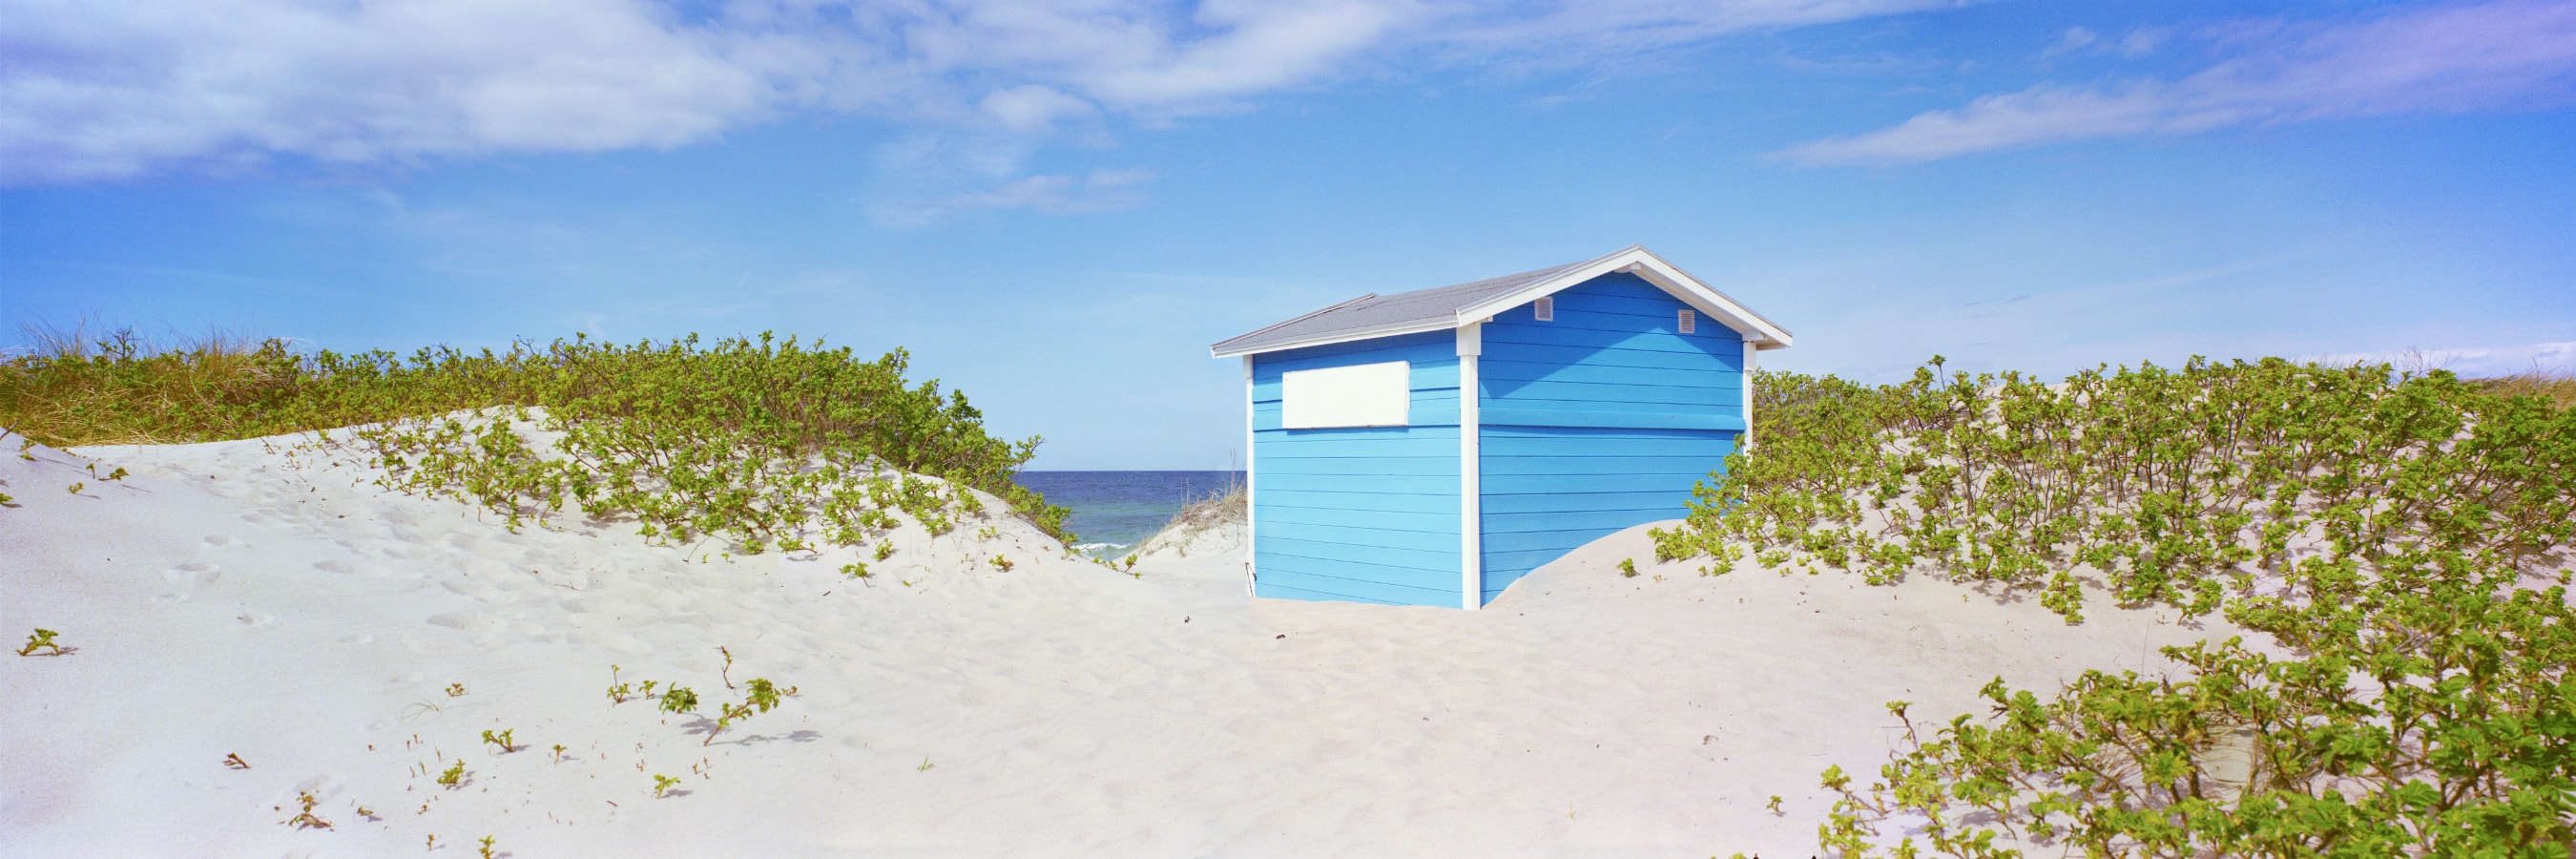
(1057, 206)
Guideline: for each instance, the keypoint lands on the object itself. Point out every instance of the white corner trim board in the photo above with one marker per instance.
(1744, 385)
(1359, 395)
(1251, 473)
(1471, 471)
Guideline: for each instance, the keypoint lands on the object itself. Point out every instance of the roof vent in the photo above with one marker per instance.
(1689, 322)
(1546, 308)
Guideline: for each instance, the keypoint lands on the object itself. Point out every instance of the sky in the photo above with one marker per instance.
(1056, 207)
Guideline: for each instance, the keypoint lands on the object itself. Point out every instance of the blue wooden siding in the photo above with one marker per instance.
(1548, 490)
(1362, 513)
(1599, 420)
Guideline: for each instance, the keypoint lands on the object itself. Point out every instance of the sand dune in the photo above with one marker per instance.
(262, 599)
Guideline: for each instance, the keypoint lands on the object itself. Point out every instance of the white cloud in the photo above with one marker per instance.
(1097, 191)
(2471, 361)
(1579, 27)
(1032, 107)
(114, 90)
(104, 91)
(2496, 56)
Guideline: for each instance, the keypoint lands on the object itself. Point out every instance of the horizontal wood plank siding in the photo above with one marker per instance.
(1574, 485)
(1598, 421)
(1366, 514)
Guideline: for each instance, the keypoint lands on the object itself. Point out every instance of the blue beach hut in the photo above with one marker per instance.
(1597, 393)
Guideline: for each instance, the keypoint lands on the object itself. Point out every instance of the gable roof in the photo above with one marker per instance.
(1454, 306)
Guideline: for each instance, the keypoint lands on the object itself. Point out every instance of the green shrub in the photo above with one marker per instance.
(2174, 486)
(2396, 532)
(743, 439)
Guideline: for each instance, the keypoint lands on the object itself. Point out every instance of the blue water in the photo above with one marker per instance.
(1112, 510)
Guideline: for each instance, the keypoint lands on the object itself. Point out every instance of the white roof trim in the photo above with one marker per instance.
(1757, 332)
(1653, 269)
(1339, 336)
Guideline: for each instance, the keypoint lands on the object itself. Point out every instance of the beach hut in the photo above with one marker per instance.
(1594, 395)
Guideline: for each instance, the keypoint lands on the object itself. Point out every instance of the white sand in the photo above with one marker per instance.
(234, 599)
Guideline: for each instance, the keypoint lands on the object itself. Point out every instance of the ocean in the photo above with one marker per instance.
(1113, 510)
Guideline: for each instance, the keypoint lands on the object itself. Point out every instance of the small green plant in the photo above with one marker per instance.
(1774, 805)
(726, 673)
(1628, 567)
(486, 852)
(44, 638)
(762, 696)
(679, 699)
(663, 783)
(455, 690)
(235, 762)
(987, 532)
(925, 766)
(619, 692)
(1131, 563)
(306, 819)
(454, 775)
(1001, 563)
(75, 488)
(855, 569)
(885, 549)
(501, 739)
(559, 750)
(119, 474)
(648, 688)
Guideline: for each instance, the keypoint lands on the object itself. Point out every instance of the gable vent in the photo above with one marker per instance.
(1546, 308)
(1689, 321)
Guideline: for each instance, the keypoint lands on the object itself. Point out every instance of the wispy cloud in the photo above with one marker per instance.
(105, 91)
(2488, 57)
(1097, 191)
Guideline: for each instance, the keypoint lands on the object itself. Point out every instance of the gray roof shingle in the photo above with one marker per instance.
(1368, 312)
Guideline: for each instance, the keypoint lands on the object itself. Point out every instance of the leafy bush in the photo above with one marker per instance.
(2172, 486)
(2397, 533)
(2432, 715)
(744, 439)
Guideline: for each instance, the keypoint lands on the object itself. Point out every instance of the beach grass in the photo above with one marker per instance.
(1228, 506)
(2558, 388)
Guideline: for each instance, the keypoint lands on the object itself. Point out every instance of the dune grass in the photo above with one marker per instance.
(2557, 388)
(644, 423)
(1228, 506)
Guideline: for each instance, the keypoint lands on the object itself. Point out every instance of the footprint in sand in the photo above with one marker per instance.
(438, 641)
(989, 696)
(193, 576)
(186, 580)
(334, 567)
(220, 541)
(255, 619)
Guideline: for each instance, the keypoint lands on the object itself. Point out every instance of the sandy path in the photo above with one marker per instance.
(241, 598)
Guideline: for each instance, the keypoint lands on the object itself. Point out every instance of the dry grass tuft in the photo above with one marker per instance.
(75, 385)
(1227, 507)
(2558, 388)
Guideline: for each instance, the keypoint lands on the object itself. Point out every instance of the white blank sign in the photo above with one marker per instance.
(1360, 395)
